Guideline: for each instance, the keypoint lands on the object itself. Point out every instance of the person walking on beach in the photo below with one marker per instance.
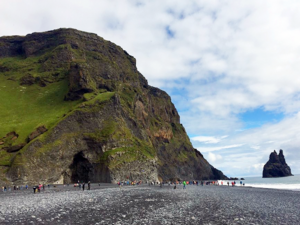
(89, 185)
(184, 183)
(83, 186)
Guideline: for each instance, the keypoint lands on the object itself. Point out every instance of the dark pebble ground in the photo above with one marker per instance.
(151, 205)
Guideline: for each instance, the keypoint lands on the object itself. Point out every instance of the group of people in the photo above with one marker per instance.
(132, 183)
(15, 188)
(38, 188)
(233, 183)
(82, 185)
(184, 183)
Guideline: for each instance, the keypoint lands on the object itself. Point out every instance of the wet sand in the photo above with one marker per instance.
(150, 205)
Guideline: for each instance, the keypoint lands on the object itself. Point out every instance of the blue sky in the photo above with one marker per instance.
(231, 67)
(258, 117)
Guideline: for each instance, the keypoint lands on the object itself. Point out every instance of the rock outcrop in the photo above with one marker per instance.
(40, 130)
(276, 166)
(119, 127)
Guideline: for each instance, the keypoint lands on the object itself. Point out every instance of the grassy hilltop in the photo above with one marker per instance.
(74, 106)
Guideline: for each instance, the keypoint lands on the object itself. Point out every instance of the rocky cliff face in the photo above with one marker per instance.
(109, 124)
(276, 166)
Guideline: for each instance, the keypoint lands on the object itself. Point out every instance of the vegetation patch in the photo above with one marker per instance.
(139, 150)
(23, 109)
(98, 99)
(18, 160)
(5, 158)
(103, 134)
(47, 147)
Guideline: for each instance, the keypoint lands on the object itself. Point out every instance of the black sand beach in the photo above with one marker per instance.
(151, 205)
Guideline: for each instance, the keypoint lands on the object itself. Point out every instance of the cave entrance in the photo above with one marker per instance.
(81, 169)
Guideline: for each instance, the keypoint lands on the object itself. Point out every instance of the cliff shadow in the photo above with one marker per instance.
(83, 170)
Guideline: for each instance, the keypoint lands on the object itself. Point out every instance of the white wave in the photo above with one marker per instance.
(276, 186)
(295, 186)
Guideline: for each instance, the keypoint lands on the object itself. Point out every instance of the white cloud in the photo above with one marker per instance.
(249, 158)
(214, 157)
(207, 139)
(226, 57)
(211, 149)
(258, 166)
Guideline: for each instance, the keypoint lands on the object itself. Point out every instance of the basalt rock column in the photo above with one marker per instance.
(276, 166)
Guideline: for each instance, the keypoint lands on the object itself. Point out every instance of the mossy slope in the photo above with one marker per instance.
(105, 123)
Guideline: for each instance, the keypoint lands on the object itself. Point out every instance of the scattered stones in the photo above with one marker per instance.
(195, 205)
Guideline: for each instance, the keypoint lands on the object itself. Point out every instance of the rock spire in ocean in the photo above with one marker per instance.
(276, 166)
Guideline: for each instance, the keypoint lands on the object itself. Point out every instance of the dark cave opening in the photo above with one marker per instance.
(81, 168)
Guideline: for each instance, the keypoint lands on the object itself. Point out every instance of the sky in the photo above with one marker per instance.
(230, 67)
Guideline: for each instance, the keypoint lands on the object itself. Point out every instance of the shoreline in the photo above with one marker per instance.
(64, 187)
(151, 205)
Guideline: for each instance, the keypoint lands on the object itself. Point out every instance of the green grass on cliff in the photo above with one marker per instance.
(5, 158)
(18, 66)
(24, 108)
(94, 98)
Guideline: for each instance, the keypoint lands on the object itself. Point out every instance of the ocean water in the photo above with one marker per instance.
(288, 183)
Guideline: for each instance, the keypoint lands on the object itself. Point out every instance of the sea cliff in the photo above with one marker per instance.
(75, 107)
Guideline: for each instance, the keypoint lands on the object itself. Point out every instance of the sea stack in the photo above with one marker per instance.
(276, 166)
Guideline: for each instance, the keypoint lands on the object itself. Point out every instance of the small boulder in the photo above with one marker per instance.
(40, 130)
(14, 148)
(40, 82)
(11, 134)
(28, 79)
(14, 138)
